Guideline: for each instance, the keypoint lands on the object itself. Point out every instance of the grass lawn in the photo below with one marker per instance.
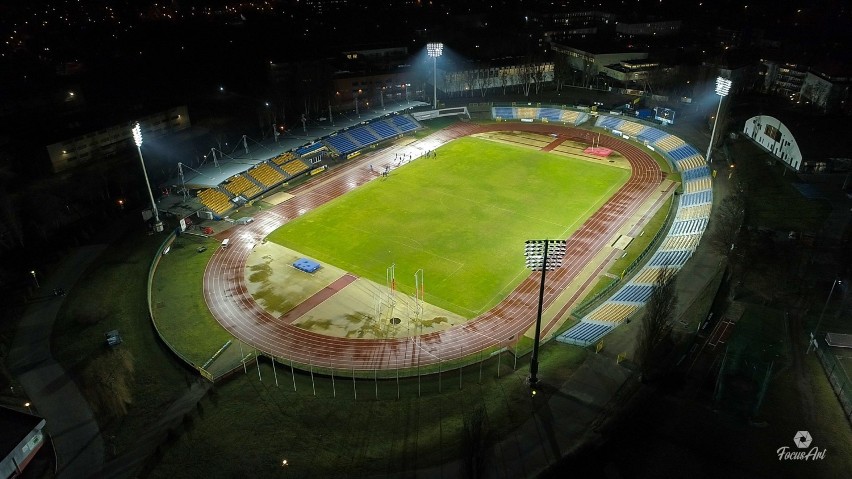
(326, 436)
(773, 202)
(111, 294)
(463, 217)
(180, 313)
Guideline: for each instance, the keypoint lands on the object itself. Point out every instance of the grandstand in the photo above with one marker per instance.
(688, 226)
(306, 151)
(284, 158)
(544, 114)
(266, 175)
(362, 136)
(214, 200)
(239, 185)
(295, 167)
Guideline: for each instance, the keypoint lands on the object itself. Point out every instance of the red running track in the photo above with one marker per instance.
(228, 299)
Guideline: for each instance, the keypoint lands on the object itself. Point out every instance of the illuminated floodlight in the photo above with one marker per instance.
(723, 86)
(434, 50)
(137, 138)
(137, 135)
(544, 256)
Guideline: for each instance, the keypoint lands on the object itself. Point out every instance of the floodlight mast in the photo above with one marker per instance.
(435, 50)
(137, 138)
(723, 87)
(541, 255)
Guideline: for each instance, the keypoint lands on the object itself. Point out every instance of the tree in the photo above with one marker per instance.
(475, 439)
(656, 326)
(729, 219)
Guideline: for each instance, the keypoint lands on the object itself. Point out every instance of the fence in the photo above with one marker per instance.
(837, 376)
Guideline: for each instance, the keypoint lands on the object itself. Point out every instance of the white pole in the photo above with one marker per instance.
(292, 374)
(245, 144)
(435, 80)
(313, 384)
(242, 357)
(257, 362)
(354, 389)
(333, 387)
(150, 192)
(713, 133)
(274, 373)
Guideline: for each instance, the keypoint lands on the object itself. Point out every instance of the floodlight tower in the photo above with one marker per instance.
(723, 87)
(137, 138)
(435, 50)
(541, 255)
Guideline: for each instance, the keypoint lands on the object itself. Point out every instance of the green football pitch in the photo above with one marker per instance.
(462, 217)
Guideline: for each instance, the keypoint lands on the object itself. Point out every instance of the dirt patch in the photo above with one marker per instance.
(363, 309)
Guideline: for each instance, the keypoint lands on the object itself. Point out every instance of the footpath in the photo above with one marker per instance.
(54, 395)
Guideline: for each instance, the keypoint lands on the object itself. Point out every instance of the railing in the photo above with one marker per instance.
(837, 377)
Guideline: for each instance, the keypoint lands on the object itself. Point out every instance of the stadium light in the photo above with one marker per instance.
(137, 138)
(541, 255)
(435, 50)
(723, 87)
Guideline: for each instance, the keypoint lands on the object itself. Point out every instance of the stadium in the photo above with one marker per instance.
(385, 252)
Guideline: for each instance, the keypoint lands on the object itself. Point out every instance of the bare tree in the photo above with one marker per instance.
(475, 439)
(656, 326)
(729, 219)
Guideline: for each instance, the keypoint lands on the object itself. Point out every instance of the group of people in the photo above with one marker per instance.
(402, 158)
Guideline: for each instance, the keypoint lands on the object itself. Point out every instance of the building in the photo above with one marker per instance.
(805, 143)
(21, 439)
(784, 79)
(110, 141)
(593, 58)
(826, 89)
(648, 29)
(770, 133)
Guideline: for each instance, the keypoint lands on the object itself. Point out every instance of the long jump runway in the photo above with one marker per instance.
(228, 299)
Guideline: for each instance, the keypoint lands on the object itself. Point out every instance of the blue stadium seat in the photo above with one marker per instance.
(651, 135)
(634, 293)
(552, 114)
(695, 173)
(305, 150)
(403, 123)
(505, 112)
(584, 333)
(341, 143)
(362, 136)
(383, 129)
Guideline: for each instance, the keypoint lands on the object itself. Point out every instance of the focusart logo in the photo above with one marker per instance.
(802, 440)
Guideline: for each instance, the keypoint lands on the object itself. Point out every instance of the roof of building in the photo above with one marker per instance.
(16, 426)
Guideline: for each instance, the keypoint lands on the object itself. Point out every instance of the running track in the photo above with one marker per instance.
(228, 299)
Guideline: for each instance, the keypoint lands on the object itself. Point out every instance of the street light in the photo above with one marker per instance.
(723, 87)
(35, 278)
(541, 255)
(27, 405)
(435, 50)
(827, 300)
(137, 138)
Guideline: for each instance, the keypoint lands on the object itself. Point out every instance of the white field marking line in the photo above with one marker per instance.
(312, 339)
(596, 206)
(502, 291)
